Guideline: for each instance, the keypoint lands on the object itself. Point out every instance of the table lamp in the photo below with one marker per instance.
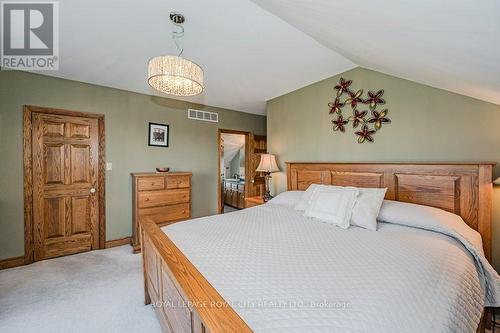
(267, 164)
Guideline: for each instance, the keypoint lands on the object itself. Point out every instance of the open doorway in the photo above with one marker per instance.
(239, 155)
(232, 170)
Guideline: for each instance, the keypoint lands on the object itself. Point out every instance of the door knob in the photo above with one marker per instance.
(92, 190)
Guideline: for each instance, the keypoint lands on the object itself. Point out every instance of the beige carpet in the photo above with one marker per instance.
(98, 291)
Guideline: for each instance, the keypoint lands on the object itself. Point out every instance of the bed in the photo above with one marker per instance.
(266, 269)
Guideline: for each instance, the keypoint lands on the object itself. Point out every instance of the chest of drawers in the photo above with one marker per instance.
(164, 198)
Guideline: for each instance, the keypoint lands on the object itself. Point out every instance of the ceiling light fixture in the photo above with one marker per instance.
(175, 75)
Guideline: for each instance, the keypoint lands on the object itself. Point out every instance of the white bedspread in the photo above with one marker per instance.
(285, 273)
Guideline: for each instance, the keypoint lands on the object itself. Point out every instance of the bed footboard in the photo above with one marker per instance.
(182, 298)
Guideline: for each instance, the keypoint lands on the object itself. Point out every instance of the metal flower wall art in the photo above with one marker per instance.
(365, 122)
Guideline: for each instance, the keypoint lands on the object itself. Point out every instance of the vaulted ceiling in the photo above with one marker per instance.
(449, 44)
(254, 51)
(232, 144)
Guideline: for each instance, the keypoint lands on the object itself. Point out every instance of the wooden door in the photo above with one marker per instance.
(256, 182)
(65, 155)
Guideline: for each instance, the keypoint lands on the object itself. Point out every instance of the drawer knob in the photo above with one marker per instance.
(147, 199)
(183, 212)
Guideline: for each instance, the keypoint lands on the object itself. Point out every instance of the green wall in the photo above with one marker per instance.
(193, 146)
(428, 124)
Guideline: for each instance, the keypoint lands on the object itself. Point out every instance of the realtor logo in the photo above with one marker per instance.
(30, 35)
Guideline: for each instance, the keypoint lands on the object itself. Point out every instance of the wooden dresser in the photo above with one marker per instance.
(234, 194)
(163, 197)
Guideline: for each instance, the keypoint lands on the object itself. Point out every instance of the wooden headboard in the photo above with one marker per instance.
(461, 188)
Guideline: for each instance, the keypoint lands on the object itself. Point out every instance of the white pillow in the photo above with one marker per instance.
(332, 205)
(367, 207)
(365, 211)
(306, 197)
(288, 198)
(426, 217)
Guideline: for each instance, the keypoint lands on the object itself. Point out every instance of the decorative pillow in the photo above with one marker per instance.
(288, 198)
(332, 205)
(367, 207)
(306, 197)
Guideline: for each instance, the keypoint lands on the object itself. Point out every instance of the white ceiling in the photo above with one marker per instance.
(249, 55)
(449, 44)
(232, 144)
(254, 51)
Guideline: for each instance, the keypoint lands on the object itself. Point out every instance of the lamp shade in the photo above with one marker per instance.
(267, 163)
(175, 76)
(497, 181)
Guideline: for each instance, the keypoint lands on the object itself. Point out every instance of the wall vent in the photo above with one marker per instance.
(203, 115)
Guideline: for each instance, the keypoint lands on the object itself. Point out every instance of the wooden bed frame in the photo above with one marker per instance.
(186, 302)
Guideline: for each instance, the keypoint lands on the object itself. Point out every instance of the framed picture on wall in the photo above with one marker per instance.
(158, 135)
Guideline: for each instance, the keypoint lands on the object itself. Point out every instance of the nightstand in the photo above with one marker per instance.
(253, 201)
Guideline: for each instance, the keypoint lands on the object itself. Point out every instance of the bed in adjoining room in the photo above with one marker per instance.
(421, 265)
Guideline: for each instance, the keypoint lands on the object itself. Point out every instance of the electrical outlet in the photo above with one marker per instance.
(109, 166)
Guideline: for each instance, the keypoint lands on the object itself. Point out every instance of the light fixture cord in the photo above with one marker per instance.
(177, 34)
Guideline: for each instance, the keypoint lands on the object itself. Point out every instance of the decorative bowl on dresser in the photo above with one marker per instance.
(163, 197)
